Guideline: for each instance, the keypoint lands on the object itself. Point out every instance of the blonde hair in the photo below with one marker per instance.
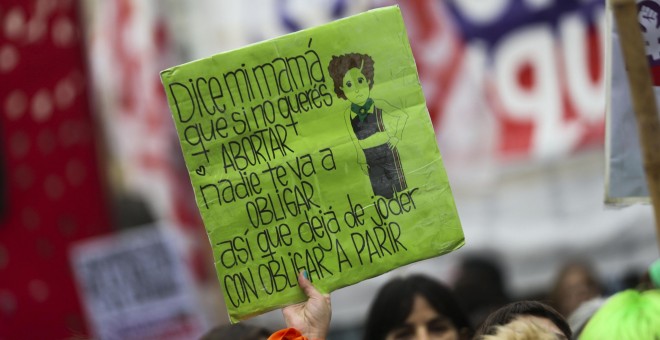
(521, 330)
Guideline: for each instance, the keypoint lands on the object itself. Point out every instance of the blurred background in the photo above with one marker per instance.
(99, 232)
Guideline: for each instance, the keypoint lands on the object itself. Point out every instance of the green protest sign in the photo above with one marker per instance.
(313, 151)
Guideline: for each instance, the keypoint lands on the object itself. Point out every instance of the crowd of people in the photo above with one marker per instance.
(418, 307)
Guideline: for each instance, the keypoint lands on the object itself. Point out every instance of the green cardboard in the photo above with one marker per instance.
(313, 151)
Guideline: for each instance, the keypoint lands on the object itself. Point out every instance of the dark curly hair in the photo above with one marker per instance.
(339, 65)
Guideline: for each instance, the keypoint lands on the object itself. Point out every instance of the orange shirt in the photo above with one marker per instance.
(288, 334)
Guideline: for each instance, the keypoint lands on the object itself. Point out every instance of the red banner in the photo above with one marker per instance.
(50, 177)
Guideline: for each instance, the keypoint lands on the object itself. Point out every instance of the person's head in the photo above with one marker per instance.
(353, 76)
(238, 331)
(479, 286)
(481, 272)
(575, 284)
(531, 311)
(626, 315)
(521, 330)
(416, 308)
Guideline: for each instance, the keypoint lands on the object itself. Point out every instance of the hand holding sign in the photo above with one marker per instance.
(312, 317)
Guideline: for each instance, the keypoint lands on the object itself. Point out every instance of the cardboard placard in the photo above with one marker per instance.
(313, 151)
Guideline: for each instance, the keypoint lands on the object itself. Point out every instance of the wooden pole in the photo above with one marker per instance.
(643, 97)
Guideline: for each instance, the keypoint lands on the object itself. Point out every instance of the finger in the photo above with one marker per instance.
(307, 286)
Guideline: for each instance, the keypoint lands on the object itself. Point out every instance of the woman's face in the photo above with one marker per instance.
(355, 86)
(424, 323)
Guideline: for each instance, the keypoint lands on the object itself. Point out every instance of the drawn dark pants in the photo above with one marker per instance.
(385, 171)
